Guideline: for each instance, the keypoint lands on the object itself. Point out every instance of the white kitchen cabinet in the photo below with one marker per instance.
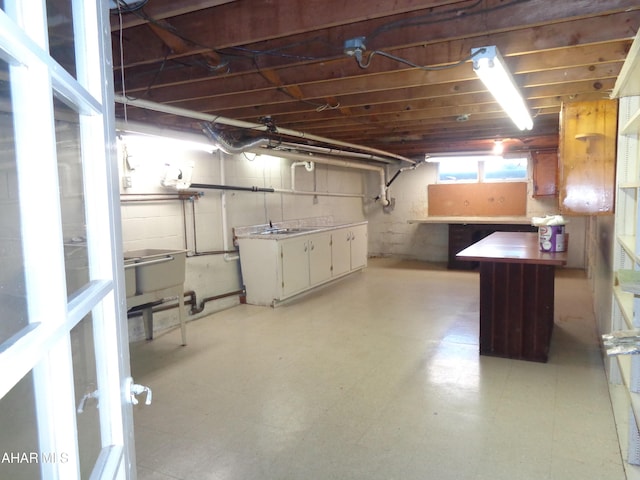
(305, 262)
(278, 267)
(349, 250)
(359, 247)
(294, 265)
(319, 258)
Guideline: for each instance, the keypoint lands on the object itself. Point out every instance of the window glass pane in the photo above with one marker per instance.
(61, 43)
(505, 169)
(86, 388)
(457, 169)
(19, 451)
(13, 303)
(71, 196)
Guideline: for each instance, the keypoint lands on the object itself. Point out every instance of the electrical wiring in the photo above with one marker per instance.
(229, 51)
(421, 21)
(435, 17)
(411, 64)
(276, 51)
(467, 8)
(418, 20)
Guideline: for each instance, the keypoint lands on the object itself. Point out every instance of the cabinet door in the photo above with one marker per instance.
(341, 251)
(587, 157)
(359, 247)
(294, 257)
(319, 258)
(545, 172)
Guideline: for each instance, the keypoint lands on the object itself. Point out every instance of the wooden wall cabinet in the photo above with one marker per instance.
(545, 172)
(587, 157)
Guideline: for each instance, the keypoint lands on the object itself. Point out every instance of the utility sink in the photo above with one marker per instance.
(152, 269)
(152, 275)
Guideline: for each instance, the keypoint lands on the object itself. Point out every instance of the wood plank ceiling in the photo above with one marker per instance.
(281, 64)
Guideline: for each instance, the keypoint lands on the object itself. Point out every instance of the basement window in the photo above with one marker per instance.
(486, 168)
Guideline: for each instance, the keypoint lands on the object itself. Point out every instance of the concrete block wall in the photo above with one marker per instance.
(167, 225)
(390, 232)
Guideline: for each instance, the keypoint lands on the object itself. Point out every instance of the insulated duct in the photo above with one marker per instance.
(226, 146)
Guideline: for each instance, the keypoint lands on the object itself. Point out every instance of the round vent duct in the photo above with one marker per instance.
(126, 6)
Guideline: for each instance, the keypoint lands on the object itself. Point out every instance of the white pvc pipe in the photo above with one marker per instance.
(223, 208)
(309, 166)
(341, 163)
(183, 112)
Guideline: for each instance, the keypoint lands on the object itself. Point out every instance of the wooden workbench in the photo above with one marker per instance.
(516, 294)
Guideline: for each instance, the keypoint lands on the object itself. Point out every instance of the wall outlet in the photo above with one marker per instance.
(126, 182)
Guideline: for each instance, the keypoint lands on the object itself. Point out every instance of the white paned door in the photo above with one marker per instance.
(64, 360)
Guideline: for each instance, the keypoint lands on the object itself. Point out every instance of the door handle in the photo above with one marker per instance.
(87, 396)
(133, 389)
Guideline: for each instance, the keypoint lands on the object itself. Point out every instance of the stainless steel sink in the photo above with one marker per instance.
(285, 230)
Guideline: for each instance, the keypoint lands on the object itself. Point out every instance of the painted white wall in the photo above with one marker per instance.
(390, 233)
(162, 224)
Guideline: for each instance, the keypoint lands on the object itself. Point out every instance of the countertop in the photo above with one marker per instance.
(296, 229)
(474, 220)
(511, 247)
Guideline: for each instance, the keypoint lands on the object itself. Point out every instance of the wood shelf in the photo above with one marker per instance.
(624, 362)
(632, 127)
(629, 280)
(628, 243)
(625, 302)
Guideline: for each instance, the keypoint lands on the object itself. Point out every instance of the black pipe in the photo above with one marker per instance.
(211, 252)
(193, 301)
(200, 308)
(394, 177)
(231, 187)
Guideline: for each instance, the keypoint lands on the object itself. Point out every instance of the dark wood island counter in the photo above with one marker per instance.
(516, 294)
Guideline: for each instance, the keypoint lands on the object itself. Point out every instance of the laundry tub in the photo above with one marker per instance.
(152, 275)
(156, 268)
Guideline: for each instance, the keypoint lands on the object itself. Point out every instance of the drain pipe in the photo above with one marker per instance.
(397, 174)
(309, 167)
(345, 164)
(223, 207)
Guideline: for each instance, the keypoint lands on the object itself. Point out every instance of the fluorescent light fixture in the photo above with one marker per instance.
(462, 158)
(164, 145)
(489, 66)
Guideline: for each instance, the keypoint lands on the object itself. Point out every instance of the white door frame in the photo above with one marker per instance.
(43, 347)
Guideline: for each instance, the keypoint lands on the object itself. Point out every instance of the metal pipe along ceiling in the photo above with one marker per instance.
(158, 107)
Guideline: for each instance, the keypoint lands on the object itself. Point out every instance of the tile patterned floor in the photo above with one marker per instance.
(375, 377)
